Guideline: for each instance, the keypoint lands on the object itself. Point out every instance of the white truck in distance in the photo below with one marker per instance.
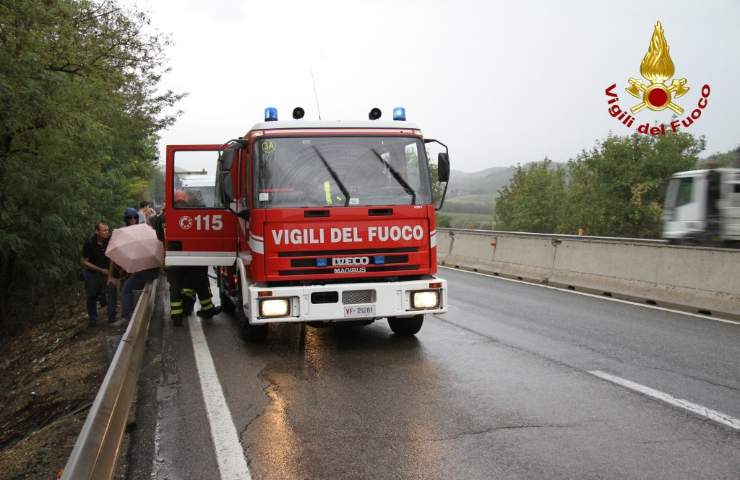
(702, 207)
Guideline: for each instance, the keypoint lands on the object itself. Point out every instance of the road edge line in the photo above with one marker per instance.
(232, 464)
(694, 408)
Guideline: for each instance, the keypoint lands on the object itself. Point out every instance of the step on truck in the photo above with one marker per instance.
(313, 221)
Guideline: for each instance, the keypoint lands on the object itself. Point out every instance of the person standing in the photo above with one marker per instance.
(97, 274)
(146, 212)
(186, 282)
(136, 280)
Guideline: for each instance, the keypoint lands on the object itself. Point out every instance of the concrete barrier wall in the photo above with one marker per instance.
(696, 279)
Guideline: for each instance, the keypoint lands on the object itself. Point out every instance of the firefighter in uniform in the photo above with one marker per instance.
(186, 282)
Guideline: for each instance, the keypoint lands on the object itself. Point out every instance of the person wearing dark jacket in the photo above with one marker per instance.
(99, 284)
(134, 281)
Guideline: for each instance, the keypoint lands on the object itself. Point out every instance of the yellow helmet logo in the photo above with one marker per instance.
(657, 67)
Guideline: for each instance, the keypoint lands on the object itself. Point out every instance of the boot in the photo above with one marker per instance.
(187, 306)
(209, 313)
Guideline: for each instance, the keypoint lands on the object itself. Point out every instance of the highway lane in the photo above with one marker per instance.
(497, 388)
(685, 355)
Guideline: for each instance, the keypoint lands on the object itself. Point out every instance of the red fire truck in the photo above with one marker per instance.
(312, 221)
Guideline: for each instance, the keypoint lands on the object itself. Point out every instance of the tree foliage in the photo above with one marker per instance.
(533, 201)
(723, 160)
(616, 189)
(81, 112)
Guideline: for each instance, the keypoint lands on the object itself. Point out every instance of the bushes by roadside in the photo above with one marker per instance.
(81, 112)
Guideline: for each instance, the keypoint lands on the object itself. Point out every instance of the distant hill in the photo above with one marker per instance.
(471, 197)
(484, 182)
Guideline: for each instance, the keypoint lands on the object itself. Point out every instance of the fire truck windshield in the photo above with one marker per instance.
(340, 171)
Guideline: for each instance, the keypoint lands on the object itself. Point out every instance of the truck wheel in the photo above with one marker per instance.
(226, 304)
(249, 333)
(406, 326)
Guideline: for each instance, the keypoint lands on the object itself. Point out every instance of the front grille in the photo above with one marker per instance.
(329, 271)
(354, 297)
(355, 251)
(311, 262)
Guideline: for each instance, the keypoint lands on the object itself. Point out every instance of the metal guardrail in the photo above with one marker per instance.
(585, 238)
(651, 241)
(97, 447)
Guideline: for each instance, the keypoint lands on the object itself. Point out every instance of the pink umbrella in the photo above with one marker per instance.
(135, 248)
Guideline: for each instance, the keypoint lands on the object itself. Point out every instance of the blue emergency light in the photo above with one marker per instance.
(399, 113)
(379, 260)
(322, 262)
(271, 114)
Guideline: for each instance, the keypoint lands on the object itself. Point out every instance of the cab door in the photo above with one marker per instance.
(200, 230)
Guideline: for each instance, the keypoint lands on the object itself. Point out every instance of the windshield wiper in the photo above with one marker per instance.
(397, 176)
(333, 175)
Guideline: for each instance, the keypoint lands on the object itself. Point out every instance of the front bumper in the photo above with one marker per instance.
(345, 301)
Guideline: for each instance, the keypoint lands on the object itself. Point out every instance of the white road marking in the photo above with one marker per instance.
(697, 409)
(229, 453)
(593, 295)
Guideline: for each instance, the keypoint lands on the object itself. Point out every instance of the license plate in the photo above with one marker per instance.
(359, 310)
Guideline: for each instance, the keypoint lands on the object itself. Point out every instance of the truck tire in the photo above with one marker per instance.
(406, 326)
(249, 333)
(226, 304)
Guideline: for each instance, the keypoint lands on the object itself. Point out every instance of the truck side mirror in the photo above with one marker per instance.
(225, 189)
(226, 159)
(443, 167)
(443, 172)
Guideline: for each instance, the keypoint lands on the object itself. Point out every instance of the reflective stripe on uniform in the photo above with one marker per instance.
(176, 307)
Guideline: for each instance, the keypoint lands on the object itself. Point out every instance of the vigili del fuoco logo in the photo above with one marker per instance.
(655, 93)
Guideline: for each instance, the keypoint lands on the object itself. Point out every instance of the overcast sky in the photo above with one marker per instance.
(499, 82)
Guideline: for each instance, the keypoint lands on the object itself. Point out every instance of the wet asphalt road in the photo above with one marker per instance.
(497, 388)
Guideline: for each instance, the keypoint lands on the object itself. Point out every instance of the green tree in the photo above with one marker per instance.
(81, 112)
(718, 160)
(156, 186)
(618, 188)
(533, 201)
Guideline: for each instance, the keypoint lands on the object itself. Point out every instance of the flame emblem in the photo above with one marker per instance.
(657, 67)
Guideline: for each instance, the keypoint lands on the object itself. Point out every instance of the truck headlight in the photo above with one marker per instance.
(274, 307)
(425, 299)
